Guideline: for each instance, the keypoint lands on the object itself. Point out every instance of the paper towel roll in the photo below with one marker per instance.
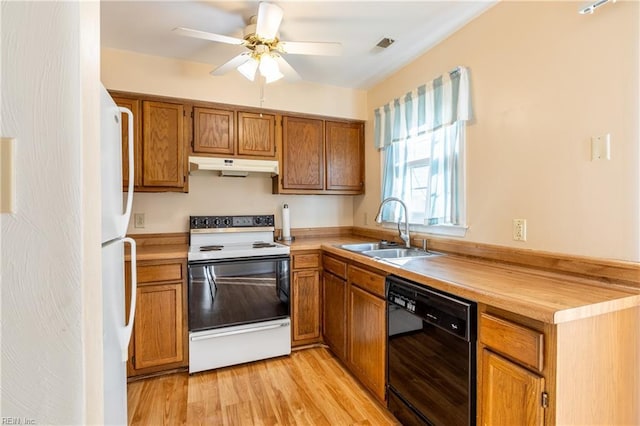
(286, 225)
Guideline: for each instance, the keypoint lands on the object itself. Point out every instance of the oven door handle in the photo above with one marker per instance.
(234, 332)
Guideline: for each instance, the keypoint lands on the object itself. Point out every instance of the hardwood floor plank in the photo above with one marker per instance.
(310, 387)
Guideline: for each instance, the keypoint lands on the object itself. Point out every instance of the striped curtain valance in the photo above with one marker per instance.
(440, 102)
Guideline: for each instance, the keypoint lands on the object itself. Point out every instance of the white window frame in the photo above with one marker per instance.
(441, 230)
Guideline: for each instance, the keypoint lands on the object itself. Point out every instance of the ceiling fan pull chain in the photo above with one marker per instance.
(261, 93)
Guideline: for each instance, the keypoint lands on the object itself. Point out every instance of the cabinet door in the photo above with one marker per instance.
(345, 156)
(158, 326)
(256, 134)
(302, 153)
(163, 145)
(213, 131)
(334, 314)
(134, 106)
(511, 395)
(367, 339)
(306, 305)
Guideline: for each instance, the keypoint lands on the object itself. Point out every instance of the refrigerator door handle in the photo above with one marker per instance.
(128, 330)
(127, 211)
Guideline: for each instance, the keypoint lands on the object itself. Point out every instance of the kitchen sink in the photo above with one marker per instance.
(396, 253)
(387, 251)
(361, 247)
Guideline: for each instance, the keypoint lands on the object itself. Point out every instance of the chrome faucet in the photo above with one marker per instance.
(403, 235)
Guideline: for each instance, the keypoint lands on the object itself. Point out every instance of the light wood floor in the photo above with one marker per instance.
(310, 387)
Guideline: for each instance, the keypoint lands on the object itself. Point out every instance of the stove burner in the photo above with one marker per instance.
(261, 244)
(211, 248)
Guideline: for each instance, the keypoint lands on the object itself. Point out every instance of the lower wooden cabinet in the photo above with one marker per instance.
(305, 298)
(354, 323)
(366, 336)
(334, 313)
(511, 393)
(159, 340)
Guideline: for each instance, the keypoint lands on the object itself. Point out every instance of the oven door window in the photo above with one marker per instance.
(429, 368)
(224, 293)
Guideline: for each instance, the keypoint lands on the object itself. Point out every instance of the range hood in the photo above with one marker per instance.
(239, 167)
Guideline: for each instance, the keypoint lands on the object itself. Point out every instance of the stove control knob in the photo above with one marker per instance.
(258, 220)
(195, 223)
(227, 221)
(269, 221)
(216, 222)
(205, 222)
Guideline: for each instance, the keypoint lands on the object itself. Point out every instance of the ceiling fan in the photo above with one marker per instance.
(265, 49)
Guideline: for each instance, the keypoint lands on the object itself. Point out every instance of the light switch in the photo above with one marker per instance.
(601, 147)
(7, 175)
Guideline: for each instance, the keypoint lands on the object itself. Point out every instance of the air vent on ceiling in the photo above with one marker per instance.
(385, 42)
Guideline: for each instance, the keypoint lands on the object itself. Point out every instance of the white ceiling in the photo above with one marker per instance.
(416, 26)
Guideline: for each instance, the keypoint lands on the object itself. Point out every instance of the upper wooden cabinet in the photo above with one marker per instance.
(223, 132)
(321, 156)
(256, 134)
(159, 144)
(317, 155)
(345, 156)
(213, 131)
(302, 153)
(163, 150)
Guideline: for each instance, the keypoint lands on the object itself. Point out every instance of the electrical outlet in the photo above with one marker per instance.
(520, 229)
(138, 220)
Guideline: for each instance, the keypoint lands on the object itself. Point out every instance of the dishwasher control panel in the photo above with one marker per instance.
(438, 308)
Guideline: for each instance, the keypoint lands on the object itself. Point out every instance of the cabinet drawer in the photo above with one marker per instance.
(334, 266)
(366, 280)
(306, 260)
(164, 272)
(516, 341)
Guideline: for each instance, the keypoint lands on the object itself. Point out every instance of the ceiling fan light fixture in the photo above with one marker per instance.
(249, 68)
(269, 68)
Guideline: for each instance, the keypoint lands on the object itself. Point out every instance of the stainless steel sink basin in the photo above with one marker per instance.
(381, 250)
(396, 253)
(361, 247)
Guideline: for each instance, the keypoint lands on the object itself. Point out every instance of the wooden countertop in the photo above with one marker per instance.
(545, 296)
(160, 252)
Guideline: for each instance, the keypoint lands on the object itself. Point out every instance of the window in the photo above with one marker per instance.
(423, 161)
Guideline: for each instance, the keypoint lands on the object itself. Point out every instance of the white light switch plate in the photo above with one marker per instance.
(601, 147)
(7, 175)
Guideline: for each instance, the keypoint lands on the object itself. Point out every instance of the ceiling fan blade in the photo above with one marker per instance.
(311, 48)
(269, 18)
(207, 36)
(232, 64)
(289, 73)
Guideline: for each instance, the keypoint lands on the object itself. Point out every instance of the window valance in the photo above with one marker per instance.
(440, 102)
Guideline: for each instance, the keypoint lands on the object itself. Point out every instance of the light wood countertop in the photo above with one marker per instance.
(545, 296)
(160, 252)
(542, 295)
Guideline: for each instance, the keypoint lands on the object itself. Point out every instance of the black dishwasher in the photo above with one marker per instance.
(431, 364)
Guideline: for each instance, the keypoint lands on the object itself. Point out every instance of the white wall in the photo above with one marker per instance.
(544, 80)
(168, 212)
(44, 276)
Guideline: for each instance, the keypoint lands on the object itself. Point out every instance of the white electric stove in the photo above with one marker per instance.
(239, 286)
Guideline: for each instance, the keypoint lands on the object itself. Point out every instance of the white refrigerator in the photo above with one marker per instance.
(117, 324)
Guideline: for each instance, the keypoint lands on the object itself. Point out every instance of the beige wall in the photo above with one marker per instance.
(544, 80)
(169, 212)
